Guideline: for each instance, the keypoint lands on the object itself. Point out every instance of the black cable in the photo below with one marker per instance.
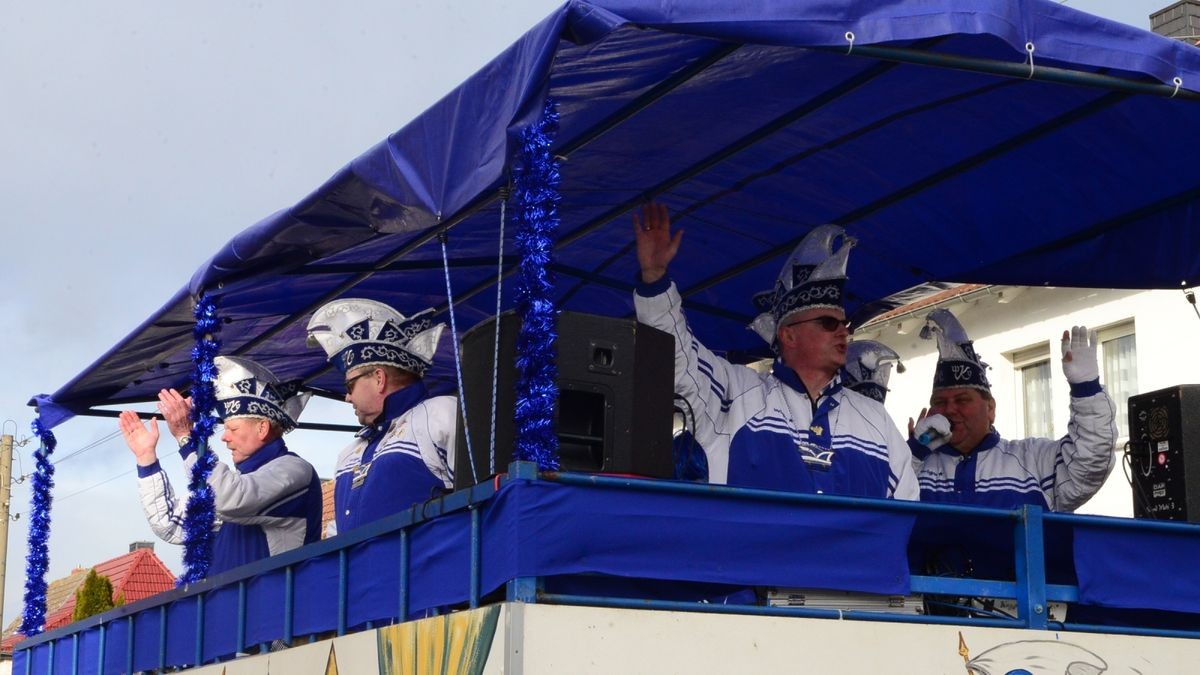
(1134, 485)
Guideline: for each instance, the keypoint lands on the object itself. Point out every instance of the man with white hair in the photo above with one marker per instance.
(270, 502)
(404, 454)
(796, 428)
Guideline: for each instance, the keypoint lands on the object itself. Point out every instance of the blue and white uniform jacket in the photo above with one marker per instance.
(270, 504)
(404, 458)
(1058, 475)
(762, 430)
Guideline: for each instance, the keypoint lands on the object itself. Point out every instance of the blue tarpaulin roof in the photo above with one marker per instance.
(927, 135)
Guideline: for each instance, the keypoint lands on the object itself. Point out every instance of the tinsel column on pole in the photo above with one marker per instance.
(33, 618)
(535, 189)
(199, 516)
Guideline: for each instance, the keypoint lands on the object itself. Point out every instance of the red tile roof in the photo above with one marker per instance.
(136, 575)
(927, 301)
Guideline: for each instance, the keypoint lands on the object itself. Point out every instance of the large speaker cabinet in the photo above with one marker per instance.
(615, 405)
(1164, 438)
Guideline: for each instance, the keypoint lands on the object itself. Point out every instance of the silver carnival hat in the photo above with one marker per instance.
(356, 332)
(246, 389)
(869, 367)
(814, 276)
(958, 365)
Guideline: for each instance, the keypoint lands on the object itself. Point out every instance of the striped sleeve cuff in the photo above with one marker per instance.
(147, 471)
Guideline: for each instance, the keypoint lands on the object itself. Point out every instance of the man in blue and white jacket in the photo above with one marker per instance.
(795, 428)
(404, 454)
(270, 502)
(963, 460)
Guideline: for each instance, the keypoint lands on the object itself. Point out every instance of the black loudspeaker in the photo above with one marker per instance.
(615, 401)
(1164, 447)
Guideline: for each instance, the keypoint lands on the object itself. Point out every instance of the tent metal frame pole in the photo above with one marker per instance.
(705, 164)
(1023, 138)
(484, 200)
(310, 426)
(1020, 70)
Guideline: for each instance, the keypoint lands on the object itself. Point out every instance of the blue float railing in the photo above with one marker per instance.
(95, 643)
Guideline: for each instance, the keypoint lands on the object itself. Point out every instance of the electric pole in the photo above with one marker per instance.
(6, 452)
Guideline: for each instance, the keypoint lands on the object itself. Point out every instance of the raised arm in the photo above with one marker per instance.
(163, 512)
(656, 246)
(1086, 452)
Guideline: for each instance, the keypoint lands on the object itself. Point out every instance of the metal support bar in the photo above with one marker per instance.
(1019, 70)
(697, 168)
(75, 654)
(820, 501)
(1031, 568)
(757, 610)
(162, 637)
(1004, 147)
(308, 426)
(403, 614)
(102, 649)
(521, 589)
(240, 639)
(199, 630)
(343, 591)
(129, 646)
(289, 590)
(50, 657)
(473, 597)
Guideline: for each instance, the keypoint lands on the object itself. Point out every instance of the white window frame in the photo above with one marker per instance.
(1108, 333)
(1021, 359)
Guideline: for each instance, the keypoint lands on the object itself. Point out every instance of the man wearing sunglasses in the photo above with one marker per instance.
(796, 428)
(404, 454)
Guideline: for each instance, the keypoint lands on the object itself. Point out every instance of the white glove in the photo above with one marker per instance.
(1079, 355)
(932, 431)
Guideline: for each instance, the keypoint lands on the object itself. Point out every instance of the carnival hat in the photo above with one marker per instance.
(247, 389)
(958, 365)
(814, 276)
(355, 332)
(869, 367)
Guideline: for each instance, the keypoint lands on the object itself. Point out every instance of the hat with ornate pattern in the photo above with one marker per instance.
(244, 388)
(958, 365)
(356, 332)
(869, 367)
(813, 276)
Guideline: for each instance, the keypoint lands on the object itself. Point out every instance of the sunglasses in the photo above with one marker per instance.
(828, 324)
(350, 382)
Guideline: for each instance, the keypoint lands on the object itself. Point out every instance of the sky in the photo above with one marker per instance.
(137, 137)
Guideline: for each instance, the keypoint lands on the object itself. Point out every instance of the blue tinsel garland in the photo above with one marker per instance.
(38, 561)
(535, 189)
(198, 519)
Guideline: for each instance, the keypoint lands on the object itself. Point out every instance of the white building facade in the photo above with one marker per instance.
(1150, 340)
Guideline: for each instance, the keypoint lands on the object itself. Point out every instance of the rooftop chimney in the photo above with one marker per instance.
(141, 544)
(1180, 20)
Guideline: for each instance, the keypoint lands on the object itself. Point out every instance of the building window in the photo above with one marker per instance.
(1118, 347)
(1033, 370)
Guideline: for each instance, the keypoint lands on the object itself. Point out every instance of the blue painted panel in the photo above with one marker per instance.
(264, 608)
(181, 632)
(220, 623)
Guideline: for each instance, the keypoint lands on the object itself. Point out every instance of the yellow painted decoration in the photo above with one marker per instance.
(817, 429)
(331, 665)
(454, 644)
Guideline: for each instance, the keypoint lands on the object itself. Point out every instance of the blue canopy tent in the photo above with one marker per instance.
(921, 126)
(985, 141)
